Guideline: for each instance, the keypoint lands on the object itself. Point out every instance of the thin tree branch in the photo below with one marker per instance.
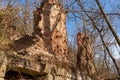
(94, 24)
(108, 22)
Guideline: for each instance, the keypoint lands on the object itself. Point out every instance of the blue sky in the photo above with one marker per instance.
(22, 1)
(71, 26)
(108, 8)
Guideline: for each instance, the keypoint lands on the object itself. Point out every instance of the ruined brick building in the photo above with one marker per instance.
(43, 56)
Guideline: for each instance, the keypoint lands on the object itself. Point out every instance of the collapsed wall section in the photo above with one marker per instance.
(41, 67)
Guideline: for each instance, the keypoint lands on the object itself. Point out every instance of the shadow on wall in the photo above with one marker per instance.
(47, 36)
(23, 43)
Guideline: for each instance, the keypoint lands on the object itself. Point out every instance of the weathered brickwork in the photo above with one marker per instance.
(85, 54)
(52, 28)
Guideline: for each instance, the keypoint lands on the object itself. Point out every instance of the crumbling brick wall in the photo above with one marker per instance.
(84, 54)
(30, 58)
(52, 28)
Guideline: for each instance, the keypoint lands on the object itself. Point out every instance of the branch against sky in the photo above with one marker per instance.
(95, 25)
(108, 22)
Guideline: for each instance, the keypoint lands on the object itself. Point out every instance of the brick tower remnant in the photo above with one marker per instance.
(85, 55)
(51, 28)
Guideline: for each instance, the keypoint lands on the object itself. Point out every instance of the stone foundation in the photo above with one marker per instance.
(41, 67)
